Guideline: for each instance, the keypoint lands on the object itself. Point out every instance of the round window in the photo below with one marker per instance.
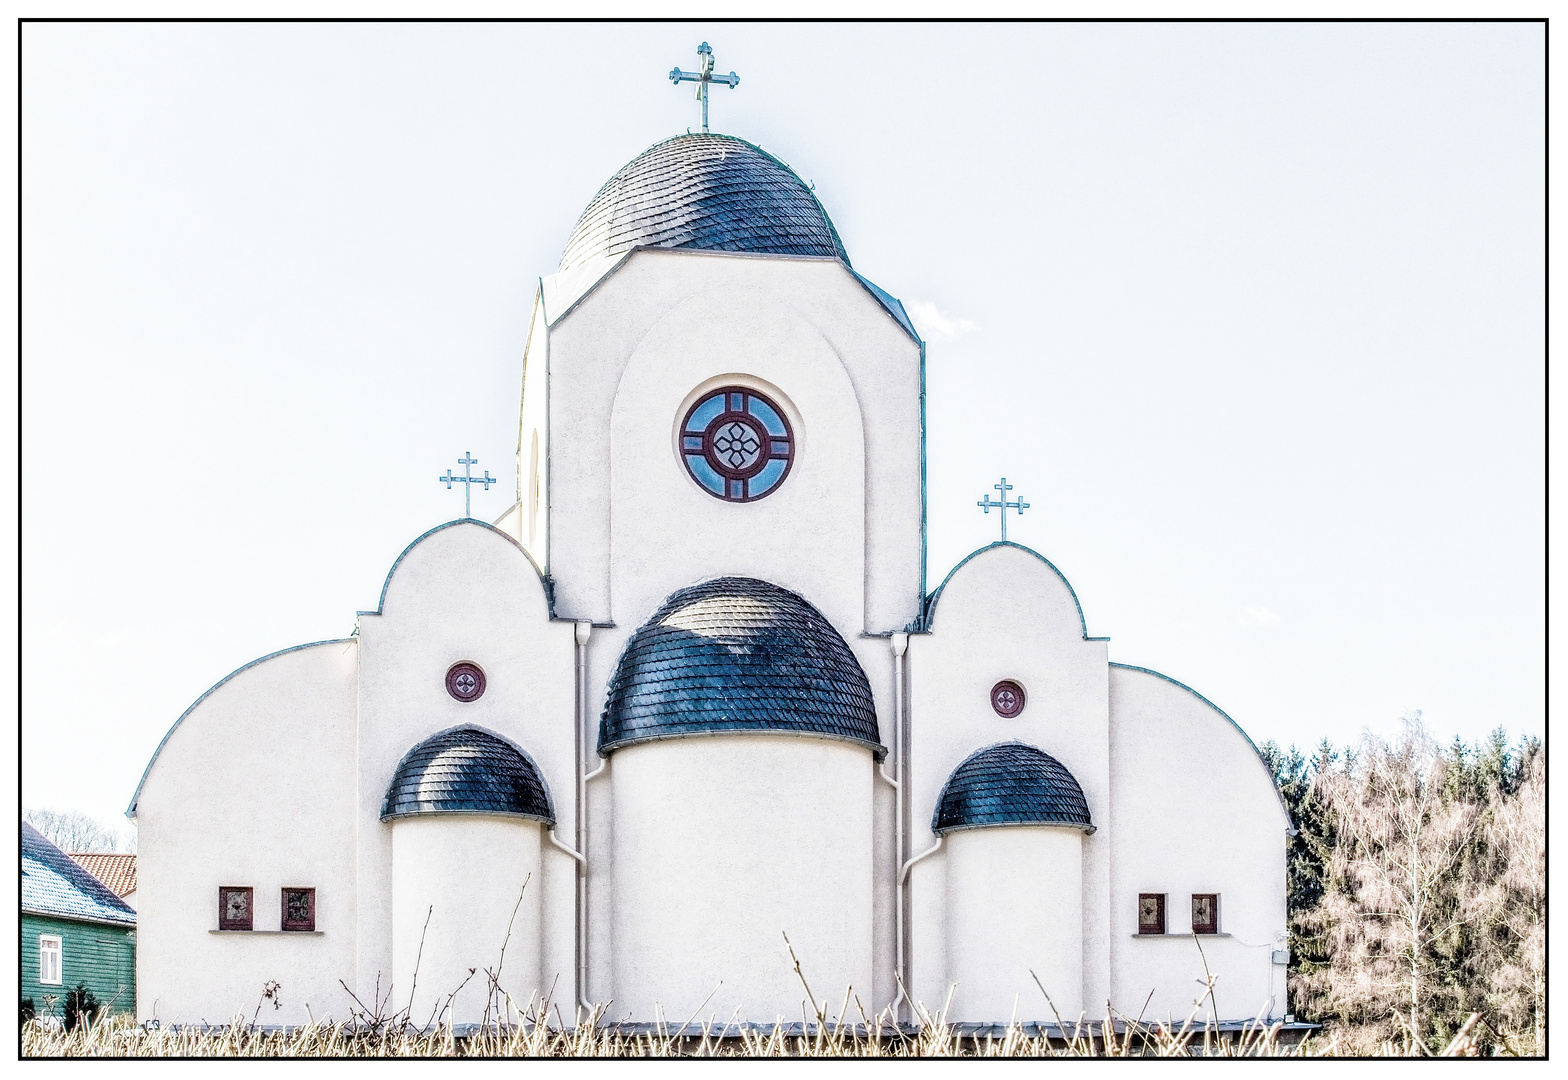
(1007, 698)
(737, 444)
(465, 681)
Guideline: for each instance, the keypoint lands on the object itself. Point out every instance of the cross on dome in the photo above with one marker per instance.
(467, 480)
(1004, 506)
(702, 77)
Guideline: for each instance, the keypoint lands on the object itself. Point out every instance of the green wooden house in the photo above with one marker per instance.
(75, 932)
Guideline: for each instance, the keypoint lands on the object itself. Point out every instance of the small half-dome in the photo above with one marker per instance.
(467, 771)
(737, 654)
(707, 192)
(1010, 783)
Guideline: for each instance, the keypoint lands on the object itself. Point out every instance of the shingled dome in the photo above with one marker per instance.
(707, 192)
(737, 654)
(466, 771)
(1010, 783)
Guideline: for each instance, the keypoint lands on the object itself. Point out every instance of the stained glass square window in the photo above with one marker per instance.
(235, 909)
(1205, 913)
(1151, 913)
(299, 909)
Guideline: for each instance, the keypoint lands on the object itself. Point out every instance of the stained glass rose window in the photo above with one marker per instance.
(737, 444)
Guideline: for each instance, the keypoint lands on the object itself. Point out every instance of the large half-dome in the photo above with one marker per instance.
(737, 654)
(704, 192)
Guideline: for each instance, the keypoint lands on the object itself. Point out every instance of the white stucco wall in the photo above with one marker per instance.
(462, 592)
(690, 316)
(722, 844)
(1006, 614)
(531, 524)
(1196, 811)
(1015, 905)
(477, 880)
(253, 787)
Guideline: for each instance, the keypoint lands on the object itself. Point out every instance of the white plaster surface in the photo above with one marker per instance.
(722, 845)
(1196, 812)
(1006, 614)
(463, 592)
(254, 787)
(683, 317)
(1015, 906)
(477, 880)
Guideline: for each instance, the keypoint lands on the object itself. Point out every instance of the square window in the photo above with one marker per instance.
(1151, 913)
(299, 909)
(1205, 913)
(235, 909)
(50, 957)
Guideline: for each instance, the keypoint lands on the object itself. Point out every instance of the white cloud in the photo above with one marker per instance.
(935, 324)
(1258, 615)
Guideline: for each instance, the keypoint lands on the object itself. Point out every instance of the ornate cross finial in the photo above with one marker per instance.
(1004, 506)
(466, 479)
(702, 77)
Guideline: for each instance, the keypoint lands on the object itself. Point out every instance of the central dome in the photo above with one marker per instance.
(737, 654)
(704, 192)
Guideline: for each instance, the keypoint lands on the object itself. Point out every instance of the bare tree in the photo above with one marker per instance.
(1391, 913)
(1506, 907)
(72, 830)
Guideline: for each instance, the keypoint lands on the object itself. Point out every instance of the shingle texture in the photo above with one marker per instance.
(1010, 783)
(115, 869)
(737, 654)
(466, 771)
(52, 884)
(709, 192)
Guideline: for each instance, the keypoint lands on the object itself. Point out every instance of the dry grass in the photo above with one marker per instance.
(512, 1030)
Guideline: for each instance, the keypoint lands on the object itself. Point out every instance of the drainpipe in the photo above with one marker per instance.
(900, 755)
(583, 631)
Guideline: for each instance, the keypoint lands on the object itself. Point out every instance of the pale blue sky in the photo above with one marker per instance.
(1252, 315)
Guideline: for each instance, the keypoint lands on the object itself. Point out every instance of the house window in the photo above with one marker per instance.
(1205, 913)
(235, 909)
(50, 956)
(299, 909)
(1151, 913)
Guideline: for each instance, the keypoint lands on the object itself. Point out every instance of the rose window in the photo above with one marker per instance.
(737, 444)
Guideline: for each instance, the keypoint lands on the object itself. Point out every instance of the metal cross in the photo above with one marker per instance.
(702, 77)
(466, 479)
(1004, 506)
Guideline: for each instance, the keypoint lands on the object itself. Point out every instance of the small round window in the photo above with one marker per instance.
(465, 681)
(1007, 698)
(737, 444)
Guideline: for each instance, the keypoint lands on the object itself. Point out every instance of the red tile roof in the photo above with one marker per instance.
(114, 870)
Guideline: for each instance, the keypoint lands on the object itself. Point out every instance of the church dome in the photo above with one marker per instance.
(737, 654)
(704, 192)
(466, 771)
(1010, 783)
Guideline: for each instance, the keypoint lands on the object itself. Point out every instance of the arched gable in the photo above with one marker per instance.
(544, 585)
(928, 617)
(1177, 685)
(130, 811)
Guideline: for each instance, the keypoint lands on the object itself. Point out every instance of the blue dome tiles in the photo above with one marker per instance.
(1010, 783)
(704, 192)
(737, 654)
(466, 771)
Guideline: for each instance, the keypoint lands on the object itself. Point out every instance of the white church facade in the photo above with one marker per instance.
(693, 693)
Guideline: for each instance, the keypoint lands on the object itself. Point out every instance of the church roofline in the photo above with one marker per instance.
(928, 615)
(130, 811)
(1290, 824)
(885, 300)
(544, 582)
